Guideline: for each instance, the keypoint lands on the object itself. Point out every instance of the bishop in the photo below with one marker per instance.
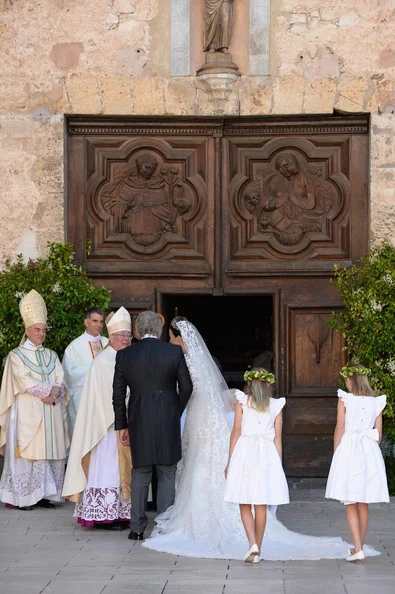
(33, 398)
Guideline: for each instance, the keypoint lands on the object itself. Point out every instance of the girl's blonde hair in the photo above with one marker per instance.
(259, 393)
(359, 381)
(360, 385)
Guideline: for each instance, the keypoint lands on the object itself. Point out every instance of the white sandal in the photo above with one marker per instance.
(349, 551)
(251, 553)
(359, 556)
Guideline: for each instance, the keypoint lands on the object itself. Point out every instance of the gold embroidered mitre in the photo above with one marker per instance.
(120, 320)
(33, 309)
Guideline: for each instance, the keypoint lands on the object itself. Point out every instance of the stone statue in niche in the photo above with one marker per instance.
(218, 74)
(145, 202)
(219, 24)
(290, 202)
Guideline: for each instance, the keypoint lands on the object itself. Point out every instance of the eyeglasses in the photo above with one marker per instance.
(124, 335)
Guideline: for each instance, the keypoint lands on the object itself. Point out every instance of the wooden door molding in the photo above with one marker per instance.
(133, 303)
(157, 220)
(294, 204)
(294, 195)
(314, 350)
(314, 357)
(231, 206)
(147, 193)
(171, 290)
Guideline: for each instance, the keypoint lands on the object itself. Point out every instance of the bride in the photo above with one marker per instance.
(200, 523)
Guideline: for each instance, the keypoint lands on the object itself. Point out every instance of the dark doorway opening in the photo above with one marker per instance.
(238, 330)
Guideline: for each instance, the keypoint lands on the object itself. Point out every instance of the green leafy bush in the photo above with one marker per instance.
(368, 324)
(67, 292)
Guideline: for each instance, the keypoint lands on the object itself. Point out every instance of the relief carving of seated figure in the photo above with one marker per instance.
(289, 206)
(140, 202)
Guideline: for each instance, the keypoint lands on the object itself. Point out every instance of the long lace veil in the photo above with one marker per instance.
(204, 371)
(199, 512)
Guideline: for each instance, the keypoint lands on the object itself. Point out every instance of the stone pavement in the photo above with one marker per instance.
(44, 551)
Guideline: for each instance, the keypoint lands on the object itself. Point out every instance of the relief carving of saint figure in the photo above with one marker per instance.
(145, 202)
(219, 23)
(290, 202)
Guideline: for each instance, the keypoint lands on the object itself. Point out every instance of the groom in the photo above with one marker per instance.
(152, 370)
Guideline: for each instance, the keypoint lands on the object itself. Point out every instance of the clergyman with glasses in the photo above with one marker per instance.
(98, 471)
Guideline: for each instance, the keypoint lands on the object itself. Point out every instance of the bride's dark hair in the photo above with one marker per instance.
(173, 324)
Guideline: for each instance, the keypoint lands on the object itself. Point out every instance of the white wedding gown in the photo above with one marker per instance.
(200, 523)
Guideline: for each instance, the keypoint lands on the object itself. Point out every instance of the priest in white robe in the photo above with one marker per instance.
(33, 434)
(78, 357)
(99, 466)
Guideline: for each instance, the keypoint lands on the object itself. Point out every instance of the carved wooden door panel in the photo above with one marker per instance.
(313, 357)
(231, 206)
(142, 196)
(295, 201)
(295, 196)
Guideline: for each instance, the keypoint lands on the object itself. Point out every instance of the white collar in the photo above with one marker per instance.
(149, 336)
(90, 337)
(32, 347)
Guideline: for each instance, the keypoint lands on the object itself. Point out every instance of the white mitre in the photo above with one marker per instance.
(120, 320)
(33, 309)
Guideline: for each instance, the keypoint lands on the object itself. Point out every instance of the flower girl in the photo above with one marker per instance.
(254, 473)
(357, 474)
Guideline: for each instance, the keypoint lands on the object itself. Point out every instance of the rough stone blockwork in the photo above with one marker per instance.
(70, 57)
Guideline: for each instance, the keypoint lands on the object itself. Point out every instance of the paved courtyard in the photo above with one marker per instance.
(44, 551)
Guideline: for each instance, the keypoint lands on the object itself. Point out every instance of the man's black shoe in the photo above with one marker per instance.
(45, 503)
(136, 535)
(115, 526)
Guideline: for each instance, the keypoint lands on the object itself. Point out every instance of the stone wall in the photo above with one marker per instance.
(71, 57)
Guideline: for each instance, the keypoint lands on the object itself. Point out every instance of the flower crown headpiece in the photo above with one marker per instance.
(348, 370)
(262, 376)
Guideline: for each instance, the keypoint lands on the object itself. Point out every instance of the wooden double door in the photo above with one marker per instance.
(259, 207)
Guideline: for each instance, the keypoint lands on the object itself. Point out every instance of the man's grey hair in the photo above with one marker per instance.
(147, 322)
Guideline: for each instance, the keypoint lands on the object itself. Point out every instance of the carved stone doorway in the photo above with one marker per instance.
(229, 208)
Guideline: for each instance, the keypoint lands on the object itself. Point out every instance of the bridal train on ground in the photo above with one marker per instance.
(200, 523)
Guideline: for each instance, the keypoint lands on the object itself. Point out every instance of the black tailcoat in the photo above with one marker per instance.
(152, 369)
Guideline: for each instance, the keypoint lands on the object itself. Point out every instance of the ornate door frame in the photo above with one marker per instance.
(230, 206)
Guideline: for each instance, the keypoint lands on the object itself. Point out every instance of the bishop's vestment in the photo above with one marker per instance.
(33, 435)
(99, 466)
